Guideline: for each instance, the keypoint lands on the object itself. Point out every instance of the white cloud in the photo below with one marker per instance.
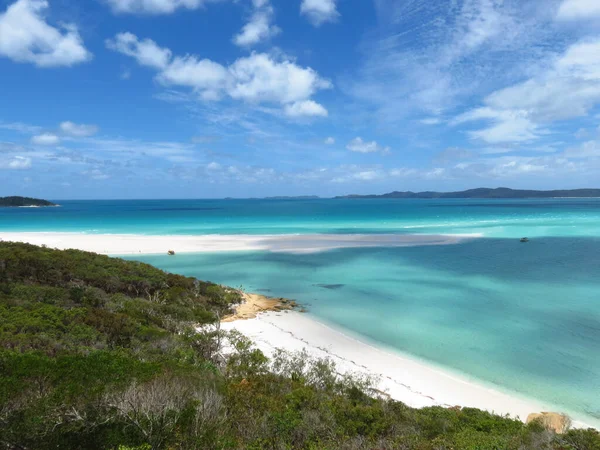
(16, 162)
(26, 37)
(78, 130)
(367, 175)
(204, 75)
(360, 146)
(257, 78)
(152, 6)
(430, 121)
(96, 174)
(260, 78)
(437, 54)
(45, 139)
(329, 141)
(145, 52)
(590, 149)
(569, 88)
(578, 9)
(213, 166)
(259, 28)
(20, 127)
(306, 108)
(509, 126)
(319, 11)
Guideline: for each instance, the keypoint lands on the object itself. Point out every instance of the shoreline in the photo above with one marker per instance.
(402, 377)
(137, 244)
(255, 304)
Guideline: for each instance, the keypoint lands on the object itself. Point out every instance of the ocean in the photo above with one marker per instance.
(523, 317)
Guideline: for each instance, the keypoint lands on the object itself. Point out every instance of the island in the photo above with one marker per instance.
(295, 197)
(15, 202)
(499, 193)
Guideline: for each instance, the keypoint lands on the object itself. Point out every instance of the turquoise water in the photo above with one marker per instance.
(493, 218)
(525, 317)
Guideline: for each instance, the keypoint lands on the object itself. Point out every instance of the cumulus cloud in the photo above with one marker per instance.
(319, 11)
(26, 37)
(306, 108)
(578, 9)
(358, 145)
(16, 162)
(329, 141)
(45, 139)
(259, 27)
(152, 6)
(145, 52)
(78, 130)
(257, 78)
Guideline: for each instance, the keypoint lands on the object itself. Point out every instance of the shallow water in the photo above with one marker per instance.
(525, 317)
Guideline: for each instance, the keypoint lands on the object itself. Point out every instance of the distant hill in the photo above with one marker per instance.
(298, 197)
(23, 201)
(487, 193)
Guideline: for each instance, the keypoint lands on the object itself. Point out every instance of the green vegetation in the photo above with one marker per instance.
(101, 353)
(23, 201)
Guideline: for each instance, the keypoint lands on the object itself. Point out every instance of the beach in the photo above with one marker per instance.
(400, 377)
(131, 244)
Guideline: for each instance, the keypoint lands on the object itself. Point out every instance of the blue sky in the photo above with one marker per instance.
(214, 98)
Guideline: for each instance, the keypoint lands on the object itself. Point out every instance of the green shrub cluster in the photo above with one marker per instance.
(23, 201)
(101, 353)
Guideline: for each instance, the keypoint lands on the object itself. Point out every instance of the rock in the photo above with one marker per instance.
(171, 252)
(559, 423)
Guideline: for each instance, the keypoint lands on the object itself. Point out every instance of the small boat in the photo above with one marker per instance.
(171, 252)
(524, 239)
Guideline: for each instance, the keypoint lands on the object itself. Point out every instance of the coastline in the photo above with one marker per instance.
(136, 244)
(255, 304)
(402, 377)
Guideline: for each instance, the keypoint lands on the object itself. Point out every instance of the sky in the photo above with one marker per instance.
(246, 98)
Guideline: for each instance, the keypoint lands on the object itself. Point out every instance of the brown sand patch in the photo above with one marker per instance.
(255, 304)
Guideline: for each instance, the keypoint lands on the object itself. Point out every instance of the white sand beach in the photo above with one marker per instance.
(402, 377)
(131, 244)
(413, 382)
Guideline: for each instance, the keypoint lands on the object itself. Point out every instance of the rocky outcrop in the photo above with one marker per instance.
(559, 423)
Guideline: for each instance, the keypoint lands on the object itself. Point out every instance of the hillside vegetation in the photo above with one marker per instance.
(23, 201)
(101, 353)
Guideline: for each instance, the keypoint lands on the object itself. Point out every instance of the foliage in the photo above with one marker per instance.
(100, 353)
(23, 201)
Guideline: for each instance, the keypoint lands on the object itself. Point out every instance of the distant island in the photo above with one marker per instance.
(487, 193)
(298, 197)
(23, 201)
